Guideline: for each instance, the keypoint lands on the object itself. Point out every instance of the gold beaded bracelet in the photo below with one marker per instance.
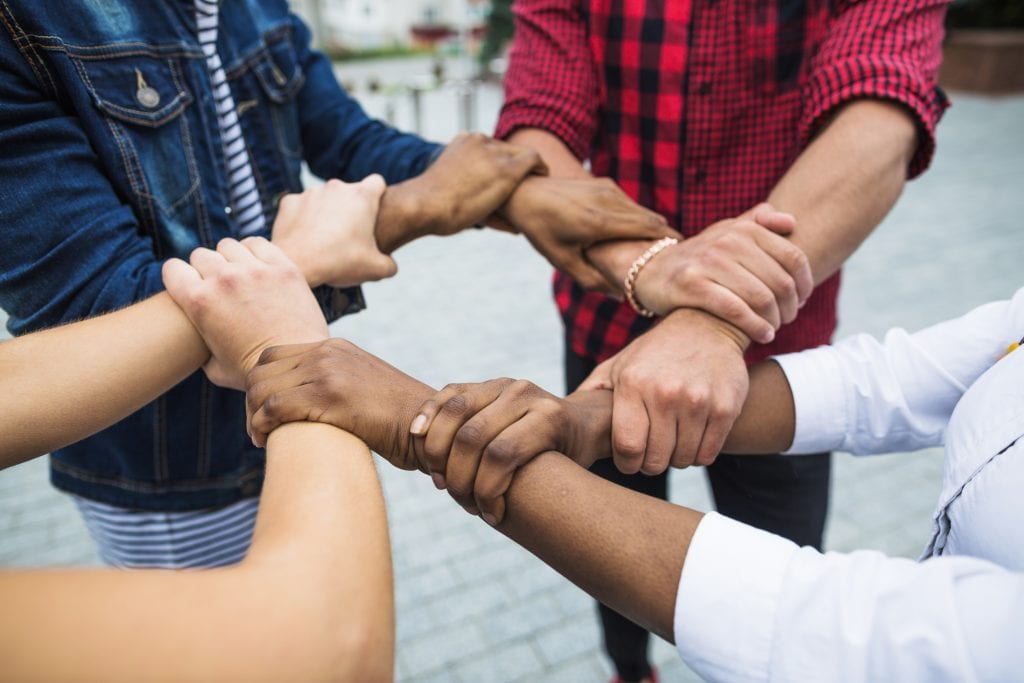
(635, 269)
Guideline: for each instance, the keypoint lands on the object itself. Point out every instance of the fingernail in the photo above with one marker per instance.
(439, 481)
(418, 424)
(473, 511)
(768, 338)
(489, 518)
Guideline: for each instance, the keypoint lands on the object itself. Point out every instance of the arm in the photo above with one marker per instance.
(138, 353)
(311, 601)
(688, 577)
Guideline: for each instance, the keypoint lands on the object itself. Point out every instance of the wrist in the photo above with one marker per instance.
(406, 213)
(590, 434)
(729, 333)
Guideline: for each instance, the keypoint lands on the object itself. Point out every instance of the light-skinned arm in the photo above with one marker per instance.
(135, 354)
(313, 598)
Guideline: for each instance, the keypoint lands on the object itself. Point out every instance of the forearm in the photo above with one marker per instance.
(400, 220)
(561, 162)
(846, 181)
(311, 602)
(74, 380)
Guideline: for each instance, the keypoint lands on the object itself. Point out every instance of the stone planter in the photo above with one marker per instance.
(986, 61)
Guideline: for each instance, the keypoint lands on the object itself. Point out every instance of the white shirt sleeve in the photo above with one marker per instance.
(864, 396)
(752, 606)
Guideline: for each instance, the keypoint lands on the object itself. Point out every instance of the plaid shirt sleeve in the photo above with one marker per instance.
(887, 49)
(551, 82)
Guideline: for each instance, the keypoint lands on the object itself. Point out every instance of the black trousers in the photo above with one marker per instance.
(784, 495)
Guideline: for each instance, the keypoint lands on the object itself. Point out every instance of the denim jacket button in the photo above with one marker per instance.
(148, 97)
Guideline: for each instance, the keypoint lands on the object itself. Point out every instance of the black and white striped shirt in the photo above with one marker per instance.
(246, 203)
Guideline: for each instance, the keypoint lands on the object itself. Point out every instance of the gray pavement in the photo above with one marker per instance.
(474, 607)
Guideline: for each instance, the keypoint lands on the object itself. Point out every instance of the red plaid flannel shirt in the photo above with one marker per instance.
(698, 107)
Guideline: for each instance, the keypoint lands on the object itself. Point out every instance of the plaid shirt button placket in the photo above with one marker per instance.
(697, 109)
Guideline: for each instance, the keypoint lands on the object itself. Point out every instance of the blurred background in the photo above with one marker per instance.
(473, 607)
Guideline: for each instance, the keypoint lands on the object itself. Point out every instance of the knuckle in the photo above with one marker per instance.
(456, 406)
(470, 436)
(694, 399)
(502, 453)
(627, 445)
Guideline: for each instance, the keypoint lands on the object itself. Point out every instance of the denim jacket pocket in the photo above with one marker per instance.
(142, 98)
(278, 77)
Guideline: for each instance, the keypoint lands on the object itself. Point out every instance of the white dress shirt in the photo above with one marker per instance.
(752, 606)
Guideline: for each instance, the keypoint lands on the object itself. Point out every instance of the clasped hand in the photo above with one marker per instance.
(471, 438)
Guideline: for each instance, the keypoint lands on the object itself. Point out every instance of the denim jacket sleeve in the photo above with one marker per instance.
(72, 247)
(340, 140)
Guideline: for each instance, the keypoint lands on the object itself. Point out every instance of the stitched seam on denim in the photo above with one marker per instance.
(193, 169)
(107, 50)
(280, 135)
(24, 45)
(246, 60)
(181, 485)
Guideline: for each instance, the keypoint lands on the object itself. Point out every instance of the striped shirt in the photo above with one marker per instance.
(246, 203)
(132, 539)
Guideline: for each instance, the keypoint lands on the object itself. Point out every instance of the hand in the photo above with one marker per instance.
(474, 175)
(335, 382)
(474, 437)
(741, 270)
(562, 218)
(328, 232)
(242, 298)
(678, 390)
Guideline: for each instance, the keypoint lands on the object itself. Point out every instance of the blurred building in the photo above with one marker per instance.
(373, 24)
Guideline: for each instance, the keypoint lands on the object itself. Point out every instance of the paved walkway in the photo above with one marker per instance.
(472, 607)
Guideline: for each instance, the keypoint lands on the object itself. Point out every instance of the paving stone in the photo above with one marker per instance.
(512, 663)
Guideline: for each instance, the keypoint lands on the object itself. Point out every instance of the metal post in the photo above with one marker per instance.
(416, 94)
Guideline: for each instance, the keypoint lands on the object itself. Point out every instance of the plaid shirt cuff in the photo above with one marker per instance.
(866, 76)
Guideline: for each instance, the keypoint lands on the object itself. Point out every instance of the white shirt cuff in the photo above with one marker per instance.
(816, 380)
(728, 597)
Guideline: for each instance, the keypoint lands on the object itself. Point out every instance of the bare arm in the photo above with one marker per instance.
(312, 600)
(128, 358)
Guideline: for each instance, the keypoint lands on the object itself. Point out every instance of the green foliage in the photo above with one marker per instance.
(500, 28)
(1008, 14)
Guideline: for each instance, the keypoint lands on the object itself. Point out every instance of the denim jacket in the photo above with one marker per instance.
(100, 182)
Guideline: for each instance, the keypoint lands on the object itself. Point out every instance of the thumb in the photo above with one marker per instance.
(600, 378)
(181, 280)
(383, 267)
(767, 216)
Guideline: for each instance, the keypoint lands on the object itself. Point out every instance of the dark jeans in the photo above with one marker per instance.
(784, 495)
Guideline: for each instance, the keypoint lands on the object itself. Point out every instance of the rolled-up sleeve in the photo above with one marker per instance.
(551, 82)
(887, 50)
(752, 606)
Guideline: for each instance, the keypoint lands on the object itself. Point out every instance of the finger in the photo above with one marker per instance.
(690, 432)
(374, 185)
(473, 437)
(267, 380)
(206, 261)
(233, 251)
(722, 302)
(757, 295)
(266, 251)
(276, 353)
(516, 445)
(180, 279)
(661, 439)
(718, 427)
(289, 405)
(793, 260)
(630, 425)
(441, 417)
(776, 221)
(766, 259)
(574, 263)
(600, 378)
